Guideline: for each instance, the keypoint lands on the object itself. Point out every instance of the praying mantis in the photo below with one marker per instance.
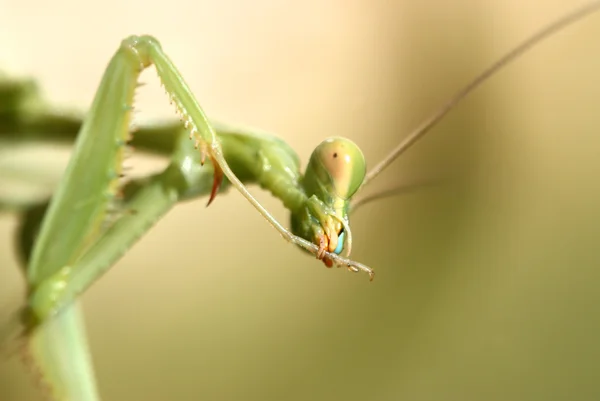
(60, 315)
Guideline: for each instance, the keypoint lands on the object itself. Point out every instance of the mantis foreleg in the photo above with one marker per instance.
(73, 248)
(114, 96)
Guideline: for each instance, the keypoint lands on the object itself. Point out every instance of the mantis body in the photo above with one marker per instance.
(75, 245)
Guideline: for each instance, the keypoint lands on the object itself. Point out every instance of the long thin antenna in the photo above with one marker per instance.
(403, 189)
(421, 130)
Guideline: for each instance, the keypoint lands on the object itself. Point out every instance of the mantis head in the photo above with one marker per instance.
(336, 170)
(334, 174)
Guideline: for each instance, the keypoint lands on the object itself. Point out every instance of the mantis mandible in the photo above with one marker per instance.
(75, 245)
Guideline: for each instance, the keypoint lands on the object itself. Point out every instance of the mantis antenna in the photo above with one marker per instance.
(402, 189)
(429, 123)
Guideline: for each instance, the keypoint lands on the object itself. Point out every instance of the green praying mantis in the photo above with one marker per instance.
(94, 218)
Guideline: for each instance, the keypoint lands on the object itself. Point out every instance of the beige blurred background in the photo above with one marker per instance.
(487, 290)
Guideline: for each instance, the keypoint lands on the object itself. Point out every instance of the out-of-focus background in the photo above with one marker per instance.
(487, 290)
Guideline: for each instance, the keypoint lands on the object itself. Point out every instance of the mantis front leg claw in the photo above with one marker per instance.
(218, 179)
(205, 150)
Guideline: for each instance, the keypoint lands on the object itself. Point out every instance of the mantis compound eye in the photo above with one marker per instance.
(339, 166)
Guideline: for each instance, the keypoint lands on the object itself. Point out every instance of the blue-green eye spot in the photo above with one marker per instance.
(340, 244)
